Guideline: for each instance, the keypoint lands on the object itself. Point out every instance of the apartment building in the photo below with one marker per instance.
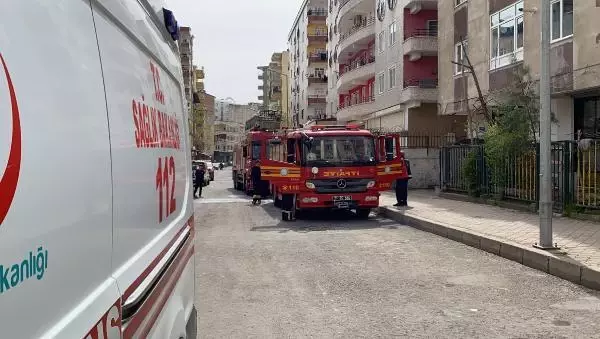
(186, 44)
(271, 87)
(229, 126)
(286, 119)
(307, 44)
(383, 65)
(201, 119)
(506, 34)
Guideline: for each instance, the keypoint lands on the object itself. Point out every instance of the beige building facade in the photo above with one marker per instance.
(186, 46)
(507, 34)
(307, 45)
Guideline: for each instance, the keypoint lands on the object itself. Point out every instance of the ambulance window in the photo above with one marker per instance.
(256, 150)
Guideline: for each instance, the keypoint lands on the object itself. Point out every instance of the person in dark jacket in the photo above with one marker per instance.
(402, 187)
(255, 177)
(199, 180)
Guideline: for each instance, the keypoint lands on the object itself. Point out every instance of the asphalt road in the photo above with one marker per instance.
(330, 277)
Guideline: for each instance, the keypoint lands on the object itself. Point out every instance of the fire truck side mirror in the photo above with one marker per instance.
(245, 152)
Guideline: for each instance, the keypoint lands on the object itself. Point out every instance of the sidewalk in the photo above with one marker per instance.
(505, 232)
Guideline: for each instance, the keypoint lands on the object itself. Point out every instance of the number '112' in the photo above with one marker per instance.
(165, 185)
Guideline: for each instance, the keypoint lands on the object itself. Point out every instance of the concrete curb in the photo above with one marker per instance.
(557, 265)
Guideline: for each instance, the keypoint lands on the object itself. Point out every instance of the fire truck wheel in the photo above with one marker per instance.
(363, 213)
(287, 202)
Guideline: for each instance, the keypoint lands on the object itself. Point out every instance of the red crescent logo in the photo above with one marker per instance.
(10, 178)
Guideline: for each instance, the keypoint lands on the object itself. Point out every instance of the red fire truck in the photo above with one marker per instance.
(329, 167)
(252, 148)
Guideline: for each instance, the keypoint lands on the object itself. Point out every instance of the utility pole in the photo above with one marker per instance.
(545, 181)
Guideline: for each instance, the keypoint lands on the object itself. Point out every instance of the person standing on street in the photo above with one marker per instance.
(256, 184)
(402, 187)
(199, 181)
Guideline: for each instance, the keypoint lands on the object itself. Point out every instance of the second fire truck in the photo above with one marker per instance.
(327, 167)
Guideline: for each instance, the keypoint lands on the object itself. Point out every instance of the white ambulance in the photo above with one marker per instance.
(96, 217)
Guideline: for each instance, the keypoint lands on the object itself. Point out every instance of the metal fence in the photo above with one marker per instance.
(518, 179)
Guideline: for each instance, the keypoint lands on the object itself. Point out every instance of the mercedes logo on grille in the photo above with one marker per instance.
(341, 183)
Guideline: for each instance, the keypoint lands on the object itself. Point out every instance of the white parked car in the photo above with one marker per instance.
(102, 244)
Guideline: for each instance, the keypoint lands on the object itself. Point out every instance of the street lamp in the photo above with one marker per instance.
(545, 203)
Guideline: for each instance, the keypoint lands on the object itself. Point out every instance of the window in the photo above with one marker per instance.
(393, 30)
(506, 36)
(432, 27)
(381, 82)
(459, 57)
(458, 2)
(562, 19)
(381, 39)
(392, 76)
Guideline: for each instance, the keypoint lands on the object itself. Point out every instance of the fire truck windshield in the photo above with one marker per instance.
(339, 151)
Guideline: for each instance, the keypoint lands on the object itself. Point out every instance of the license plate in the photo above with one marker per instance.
(342, 204)
(342, 198)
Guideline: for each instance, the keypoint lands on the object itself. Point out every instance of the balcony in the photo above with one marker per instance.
(317, 99)
(317, 79)
(317, 57)
(356, 111)
(417, 91)
(317, 15)
(415, 6)
(317, 37)
(358, 37)
(358, 73)
(350, 7)
(420, 42)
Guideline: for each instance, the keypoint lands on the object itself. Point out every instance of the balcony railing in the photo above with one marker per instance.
(343, 3)
(360, 101)
(357, 64)
(317, 99)
(421, 33)
(366, 22)
(317, 12)
(317, 79)
(318, 36)
(317, 57)
(421, 83)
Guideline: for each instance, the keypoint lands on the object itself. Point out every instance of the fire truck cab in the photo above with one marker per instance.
(331, 167)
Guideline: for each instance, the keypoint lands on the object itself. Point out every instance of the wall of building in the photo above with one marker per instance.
(391, 56)
(424, 167)
(446, 55)
(285, 86)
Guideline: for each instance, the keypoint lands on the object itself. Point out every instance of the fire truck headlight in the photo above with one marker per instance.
(387, 169)
(283, 171)
(314, 170)
(310, 185)
(371, 198)
(371, 184)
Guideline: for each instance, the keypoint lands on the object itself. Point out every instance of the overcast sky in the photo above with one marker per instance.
(233, 37)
